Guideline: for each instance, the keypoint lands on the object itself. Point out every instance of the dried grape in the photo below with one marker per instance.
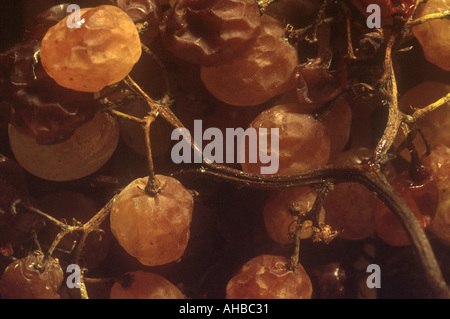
(50, 113)
(210, 32)
(263, 71)
(86, 151)
(267, 277)
(304, 142)
(99, 53)
(26, 279)
(155, 230)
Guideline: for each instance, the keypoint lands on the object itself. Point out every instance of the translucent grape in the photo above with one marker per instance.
(101, 52)
(304, 142)
(433, 35)
(267, 277)
(145, 285)
(263, 71)
(279, 219)
(210, 32)
(155, 230)
(89, 148)
(25, 279)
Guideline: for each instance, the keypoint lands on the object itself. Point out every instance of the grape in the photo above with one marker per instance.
(50, 113)
(435, 125)
(303, 141)
(13, 186)
(155, 230)
(263, 71)
(433, 35)
(338, 122)
(210, 32)
(148, 11)
(422, 198)
(145, 285)
(317, 83)
(69, 206)
(25, 279)
(99, 53)
(267, 277)
(350, 206)
(19, 67)
(89, 148)
(280, 221)
(45, 20)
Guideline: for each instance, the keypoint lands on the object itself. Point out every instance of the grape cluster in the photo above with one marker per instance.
(88, 108)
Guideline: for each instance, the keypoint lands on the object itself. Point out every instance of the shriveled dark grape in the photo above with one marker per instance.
(317, 83)
(27, 278)
(148, 11)
(20, 67)
(210, 32)
(49, 112)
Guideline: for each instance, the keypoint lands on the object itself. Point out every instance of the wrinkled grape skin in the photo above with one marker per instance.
(303, 141)
(433, 35)
(100, 53)
(89, 148)
(50, 113)
(263, 71)
(145, 285)
(19, 67)
(21, 280)
(266, 277)
(278, 218)
(155, 230)
(210, 32)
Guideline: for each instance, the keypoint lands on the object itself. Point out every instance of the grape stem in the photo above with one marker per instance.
(427, 18)
(367, 174)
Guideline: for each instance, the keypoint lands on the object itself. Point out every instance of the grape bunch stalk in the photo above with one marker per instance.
(87, 176)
